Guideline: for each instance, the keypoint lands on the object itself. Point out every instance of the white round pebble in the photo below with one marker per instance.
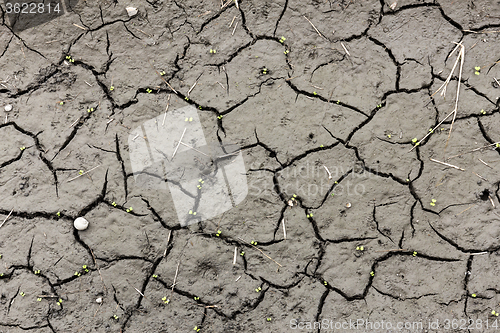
(131, 11)
(8, 108)
(81, 223)
(99, 300)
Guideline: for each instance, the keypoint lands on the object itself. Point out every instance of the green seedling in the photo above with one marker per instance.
(1, 274)
(37, 272)
(186, 98)
(220, 117)
(162, 73)
(192, 213)
(149, 91)
(254, 243)
(483, 112)
(111, 88)
(113, 204)
(39, 299)
(286, 52)
(360, 248)
(22, 294)
(165, 300)
(188, 119)
(414, 140)
(325, 283)
(497, 145)
(414, 253)
(493, 312)
(218, 233)
(59, 302)
(315, 93)
(61, 103)
(338, 102)
(199, 107)
(77, 273)
(478, 70)
(242, 253)
(196, 329)
(433, 202)
(213, 51)
(321, 146)
(372, 273)
(264, 71)
(85, 268)
(258, 289)
(58, 214)
(0, 256)
(282, 39)
(90, 110)
(474, 295)
(129, 209)
(116, 317)
(269, 319)
(379, 106)
(196, 298)
(431, 130)
(309, 215)
(199, 187)
(155, 276)
(389, 136)
(407, 180)
(80, 172)
(22, 148)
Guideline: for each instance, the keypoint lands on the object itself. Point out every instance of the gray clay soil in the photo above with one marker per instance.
(392, 237)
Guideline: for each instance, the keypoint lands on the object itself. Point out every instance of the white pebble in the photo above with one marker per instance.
(81, 223)
(8, 108)
(131, 11)
(99, 300)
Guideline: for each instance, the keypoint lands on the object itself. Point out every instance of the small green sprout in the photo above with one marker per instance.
(254, 243)
(188, 119)
(199, 187)
(242, 253)
(22, 294)
(22, 148)
(37, 272)
(315, 93)
(186, 98)
(80, 172)
(85, 268)
(77, 273)
(414, 253)
(433, 202)
(196, 298)
(1, 274)
(162, 73)
(282, 39)
(478, 70)
(0, 256)
(220, 117)
(90, 110)
(493, 312)
(113, 204)
(258, 289)
(155, 276)
(129, 209)
(264, 71)
(286, 52)
(407, 180)
(58, 214)
(192, 213)
(269, 319)
(360, 248)
(199, 107)
(39, 299)
(431, 130)
(474, 295)
(338, 102)
(61, 103)
(497, 145)
(196, 329)
(414, 140)
(372, 273)
(325, 283)
(321, 146)
(483, 112)
(309, 215)
(379, 106)
(116, 317)
(165, 300)
(389, 136)
(149, 91)
(59, 302)
(111, 88)
(213, 51)
(218, 233)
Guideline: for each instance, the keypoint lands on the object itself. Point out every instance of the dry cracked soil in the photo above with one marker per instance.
(360, 211)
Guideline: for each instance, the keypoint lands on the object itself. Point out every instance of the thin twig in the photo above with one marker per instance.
(232, 21)
(185, 128)
(480, 176)
(328, 171)
(176, 272)
(491, 200)
(466, 209)
(473, 150)
(182, 143)
(447, 164)
(83, 173)
(235, 253)
(166, 109)
(78, 26)
(260, 251)
(7, 218)
(345, 49)
(430, 132)
(234, 28)
(489, 166)
(284, 229)
(319, 33)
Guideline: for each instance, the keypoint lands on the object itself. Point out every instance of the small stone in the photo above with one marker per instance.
(8, 108)
(81, 223)
(131, 11)
(99, 300)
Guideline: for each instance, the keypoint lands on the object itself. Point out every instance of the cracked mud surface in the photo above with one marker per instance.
(348, 90)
